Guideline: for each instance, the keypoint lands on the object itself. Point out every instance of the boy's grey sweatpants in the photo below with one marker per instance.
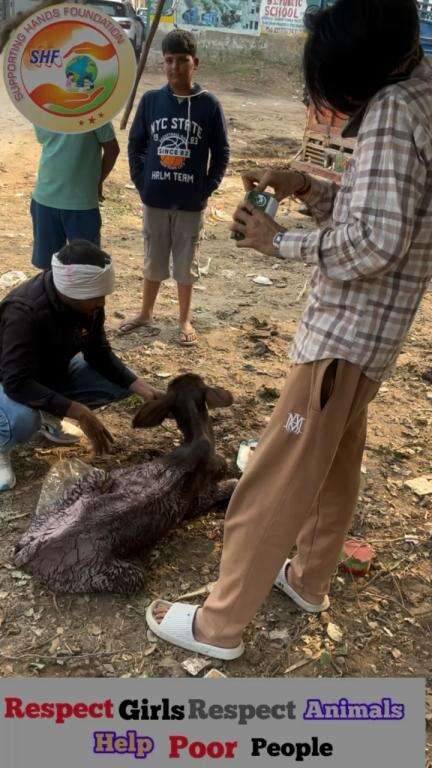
(176, 233)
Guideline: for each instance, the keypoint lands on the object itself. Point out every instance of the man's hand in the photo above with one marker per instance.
(144, 390)
(110, 153)
(284, 183)
(100, 439)
(258, 229)
(100, 193)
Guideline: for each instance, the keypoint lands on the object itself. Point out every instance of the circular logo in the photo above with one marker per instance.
(69, 68)
(173, 151)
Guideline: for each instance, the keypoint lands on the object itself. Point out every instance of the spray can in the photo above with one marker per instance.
(264, 202)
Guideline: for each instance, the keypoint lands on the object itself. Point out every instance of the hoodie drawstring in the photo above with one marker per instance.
(188, 123)
(189, 109)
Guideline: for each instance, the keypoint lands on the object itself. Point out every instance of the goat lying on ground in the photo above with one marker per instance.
(85, 541)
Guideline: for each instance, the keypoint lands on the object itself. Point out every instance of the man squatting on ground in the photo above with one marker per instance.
(176, 130)
(55, 359)
(372, 263)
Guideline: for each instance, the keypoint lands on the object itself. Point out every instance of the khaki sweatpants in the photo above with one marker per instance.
(301, 487)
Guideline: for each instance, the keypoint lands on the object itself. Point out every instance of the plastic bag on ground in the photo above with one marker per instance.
(11, 278)
(60, 478)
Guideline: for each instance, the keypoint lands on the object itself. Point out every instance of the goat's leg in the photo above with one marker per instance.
(219, 467)
(212, 496)
(115, 576)
(224, 490)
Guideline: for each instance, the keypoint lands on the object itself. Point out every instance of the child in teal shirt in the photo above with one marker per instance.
(65, 201)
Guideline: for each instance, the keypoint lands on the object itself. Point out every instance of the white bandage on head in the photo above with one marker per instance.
(82, 281)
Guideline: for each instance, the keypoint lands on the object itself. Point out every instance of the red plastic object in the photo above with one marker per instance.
(356, 557)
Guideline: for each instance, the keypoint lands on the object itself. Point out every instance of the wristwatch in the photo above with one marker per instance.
(277, 240)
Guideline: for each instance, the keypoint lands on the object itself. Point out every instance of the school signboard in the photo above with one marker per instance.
(237, 16)
(69, 68)
(283, 15)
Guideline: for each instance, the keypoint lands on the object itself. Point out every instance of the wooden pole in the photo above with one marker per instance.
(142, 62)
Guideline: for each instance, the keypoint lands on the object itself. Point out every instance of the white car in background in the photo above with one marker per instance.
(124, 14)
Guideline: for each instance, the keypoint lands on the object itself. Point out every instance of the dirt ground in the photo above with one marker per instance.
(245, 329)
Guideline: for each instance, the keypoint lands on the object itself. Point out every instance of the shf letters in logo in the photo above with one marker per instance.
(295, 424)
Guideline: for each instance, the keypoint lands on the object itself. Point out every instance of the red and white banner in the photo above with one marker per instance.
(283, 15)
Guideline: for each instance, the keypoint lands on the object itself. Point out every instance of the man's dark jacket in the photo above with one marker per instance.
(39, 336)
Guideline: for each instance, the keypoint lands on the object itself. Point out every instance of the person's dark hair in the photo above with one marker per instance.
(179, 41)
(354, 47)
(83, 252)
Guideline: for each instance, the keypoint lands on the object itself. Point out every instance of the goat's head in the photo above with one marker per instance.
(187, 399)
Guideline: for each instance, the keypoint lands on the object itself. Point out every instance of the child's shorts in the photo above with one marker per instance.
(175, 233)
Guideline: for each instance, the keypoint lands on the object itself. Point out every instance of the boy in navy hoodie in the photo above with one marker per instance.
(178, 154)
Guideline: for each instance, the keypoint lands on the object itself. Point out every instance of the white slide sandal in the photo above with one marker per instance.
(282, 584)
(176, 628)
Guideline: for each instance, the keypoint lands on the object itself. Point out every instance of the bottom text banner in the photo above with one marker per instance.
(76, 723)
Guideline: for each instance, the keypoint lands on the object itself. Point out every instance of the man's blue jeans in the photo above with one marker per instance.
(18, 423)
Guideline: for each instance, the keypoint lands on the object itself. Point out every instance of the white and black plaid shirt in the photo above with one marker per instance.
(373, 251)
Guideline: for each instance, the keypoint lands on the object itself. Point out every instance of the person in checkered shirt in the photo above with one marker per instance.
(372, 264)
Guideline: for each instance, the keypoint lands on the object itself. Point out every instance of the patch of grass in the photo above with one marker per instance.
(132, 403)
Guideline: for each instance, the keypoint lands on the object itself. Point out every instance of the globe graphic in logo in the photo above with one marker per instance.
(81, 72)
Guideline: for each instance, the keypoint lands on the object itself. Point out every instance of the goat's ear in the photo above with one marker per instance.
(216, 397)
(153, 413)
